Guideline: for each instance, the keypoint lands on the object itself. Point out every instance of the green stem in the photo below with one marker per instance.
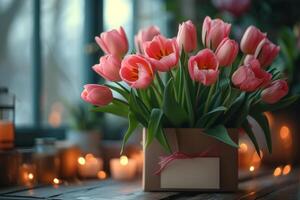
(197, 96)
(211, 89)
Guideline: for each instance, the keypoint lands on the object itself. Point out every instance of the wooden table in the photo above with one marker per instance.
(262, 185)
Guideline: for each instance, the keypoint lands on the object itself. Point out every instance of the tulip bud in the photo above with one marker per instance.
(227, 52)
(108, 67)
(98, 95)
(266, 52)
(187, 36)
(277, 90)
(214, 31)
(250, 40)
(113, 42)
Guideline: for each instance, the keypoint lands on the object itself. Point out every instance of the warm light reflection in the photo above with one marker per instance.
(123, 160)
(243, 148)
(286, 170)
(101, 175)
(81, 160)
(55, 115)
(277, 171)
(251, 168)
(284, 132)
(56, 181)
(270, 118)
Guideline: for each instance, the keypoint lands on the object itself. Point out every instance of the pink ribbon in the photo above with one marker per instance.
(165, 161)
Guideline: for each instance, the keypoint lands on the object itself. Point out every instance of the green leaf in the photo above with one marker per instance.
(210, 117)
(247, 128)
(139, 109)
(263, 107)
(235, 106)
(187, 94)
(124, 93)
(220, 133)
(173, 110)
(133, 123)
(116, 108)
(154, 124)
(160, 136)
(262, 120)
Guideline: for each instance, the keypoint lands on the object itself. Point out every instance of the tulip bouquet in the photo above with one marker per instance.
(169, 83)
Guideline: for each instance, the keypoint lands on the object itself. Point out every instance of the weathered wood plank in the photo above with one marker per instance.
(255, 187)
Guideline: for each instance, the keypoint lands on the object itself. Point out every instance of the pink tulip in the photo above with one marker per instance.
(266, 52)
(145, 35)
(248, 59)
(250, 40)
(187, 36)
(113, 42)
(235, 7)
(273, 93)
(227, 52)
(251, 77)
(108, 67)
(163, 53)
(203, 67)
(214, 31)
(136, 71)
(98, 95)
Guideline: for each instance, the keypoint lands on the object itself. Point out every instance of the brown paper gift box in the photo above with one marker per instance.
(192, 141)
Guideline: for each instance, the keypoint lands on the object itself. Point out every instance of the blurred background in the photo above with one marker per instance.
(47, 50)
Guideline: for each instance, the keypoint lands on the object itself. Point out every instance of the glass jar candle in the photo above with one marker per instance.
(46, 160)
(7, 117)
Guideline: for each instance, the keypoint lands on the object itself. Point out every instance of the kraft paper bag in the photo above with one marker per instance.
(217, 170)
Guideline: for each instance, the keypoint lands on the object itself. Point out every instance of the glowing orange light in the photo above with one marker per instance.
(123, 160)
(30, 176)
(277, 171)
(286, 170)
(101, 175)
(89, 156)
(284, 132)
(81, 160)
(243, 148)
(56, 181)
(251, 168)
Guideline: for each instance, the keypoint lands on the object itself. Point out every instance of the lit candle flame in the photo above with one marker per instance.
(101, 175)
(243, 148)
(89, 156)
(277, 171)
(30, 176)
(56, 181)
(123, 160)
(251, 168)
(286, 170)
(284, 132)
(81, 161)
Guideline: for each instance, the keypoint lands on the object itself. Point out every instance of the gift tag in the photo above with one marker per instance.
(195, 173)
